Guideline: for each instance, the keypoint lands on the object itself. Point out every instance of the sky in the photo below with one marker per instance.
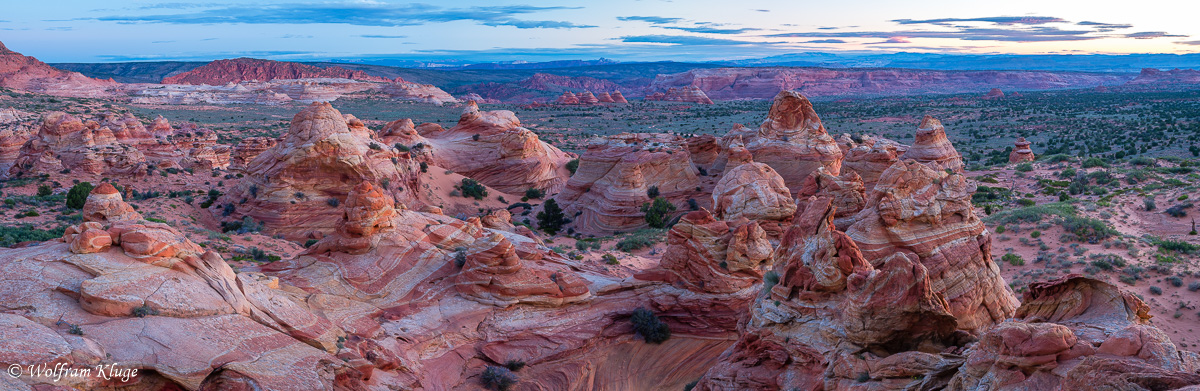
(624, 30)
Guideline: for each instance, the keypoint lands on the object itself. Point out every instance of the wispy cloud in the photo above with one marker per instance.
(383, 36)
(826, 41)
(683, 40)
(1001, 20)
(1037, 34)
(193, 56)
(1196, 43)
(1151, 34)
(710, 30)
(352, 13)
(1105, 25)
(296, 36)
(649, 19)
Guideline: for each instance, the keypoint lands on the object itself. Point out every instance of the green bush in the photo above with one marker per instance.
(472, 189)
(1013, 259)
(1178, 246)
(1086, 229)
(498, 378)
(639, 239)
(610, 259)
(27, 233)
(1024, 167)
(551, 218)
(1093, 162)
(573, 165)
(652, 192)
(534, 194)
(647, 325)
(44, 190)
(658, 213)
(77, 196)
(1155, 290)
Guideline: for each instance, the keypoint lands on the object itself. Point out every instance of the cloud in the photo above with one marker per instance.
(761, 10)
(826, 41)
(352, 13)
(1196, 43)
(1151, 35)
(1030, 34)
(383, 36)
(897, 40)
(1001, 20)
(1110, 26)
(649, 19)
(192, 56)
(710, 30)
(682, 40)
(295, 36)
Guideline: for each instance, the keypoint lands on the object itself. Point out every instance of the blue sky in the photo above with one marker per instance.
(628, 30)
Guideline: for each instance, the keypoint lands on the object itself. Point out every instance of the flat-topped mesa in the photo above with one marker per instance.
(493, 148)
(66, 142)
(932, 148)
(1021, 152)
(917, 210)
(1076, 333)
(704, 254)
(567, 98)
(690, 94)
(615, 174)
(791, 140)
(752, 191)
(222, 72)
(294, 186)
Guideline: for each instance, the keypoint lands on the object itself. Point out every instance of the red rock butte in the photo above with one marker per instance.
(221, 72)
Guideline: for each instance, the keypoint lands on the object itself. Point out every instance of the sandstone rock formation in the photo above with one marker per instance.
(1077, 333)
(932, 148)
(927, 213)
(765, 82)
(871, 158)
(488, 146)
(834, 315)
(586, 98)
(618, 98)
(322, 156)
(221, 72)
(848, 192)
(567, 98)
(709, 255)
(614, 174)
(752, 191)
(66, 142)
(603, 97)
(248, 149)
(120, 289)
(791, 140)
(1021, 152)
(689, 94)
(994, 93)
(24, 73)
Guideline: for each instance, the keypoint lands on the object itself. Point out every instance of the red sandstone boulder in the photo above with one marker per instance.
(752, 191)
(707, 255)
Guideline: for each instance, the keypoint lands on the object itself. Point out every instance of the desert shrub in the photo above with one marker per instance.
(1086, 229)
(44, 190)
(551, 218)
(610, 259)
(1194, 286)
(658, 212)
(1033, 214)
(1025, 202)
(424, 167)
(333, 202)
(1179, 210)
(1149, 204)
(228, 209)
(639, 239)
(647, 325)
(692, 205)
(498, 378)
(1155, 290)
(1035, 234)
(534, 194)
(514, 365)
(652, 192)
(1093, 162)
(1178, 246)
(309, 243)
(471, 188)
(1013, 259)
(770, 279)
(1024, 167)
(144, 311)
(1142, 161)
(573, 165)
(402, 148)
(77, 196)
(1175, 281)
(1000, 229)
